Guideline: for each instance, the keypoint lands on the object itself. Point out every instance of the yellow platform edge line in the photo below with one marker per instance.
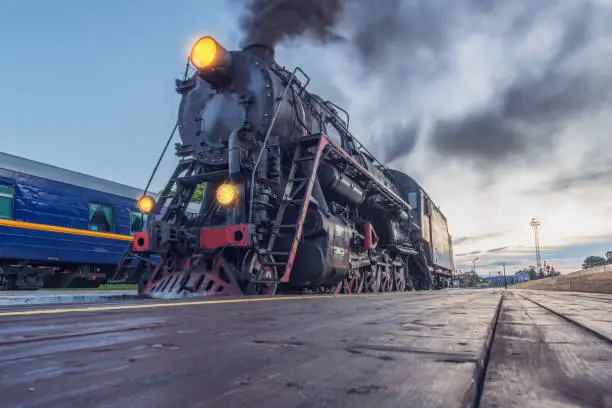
(178, 304)
(154, 305)
(63, 230)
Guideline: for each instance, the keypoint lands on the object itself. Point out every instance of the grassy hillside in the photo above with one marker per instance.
(594, 280)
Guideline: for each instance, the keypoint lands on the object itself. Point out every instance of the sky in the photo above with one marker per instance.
(499, 109)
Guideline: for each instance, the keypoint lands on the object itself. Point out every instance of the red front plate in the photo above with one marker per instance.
(227, 235)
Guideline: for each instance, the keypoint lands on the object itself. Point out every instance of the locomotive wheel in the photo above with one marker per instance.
(252, 267)
(386, 279)
(372, 280)
(353, 284)
(399, 279)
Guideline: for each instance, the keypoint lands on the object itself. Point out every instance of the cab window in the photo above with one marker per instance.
(412, 200)
(101, 218)
(333, 133)
(426, 206)
(7, 198)
(137, 222)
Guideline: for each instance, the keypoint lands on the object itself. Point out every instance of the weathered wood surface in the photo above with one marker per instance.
(408, 350)
(591, 310)
(423, 349)
(540, 360)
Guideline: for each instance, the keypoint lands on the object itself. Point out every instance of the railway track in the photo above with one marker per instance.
(577, 324)
(547, 353)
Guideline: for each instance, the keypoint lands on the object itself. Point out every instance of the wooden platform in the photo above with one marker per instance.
(540, 358)
(424, 349)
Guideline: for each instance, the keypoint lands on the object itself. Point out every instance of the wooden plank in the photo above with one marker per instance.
(592, 311)
(540, 360)
(414, 349)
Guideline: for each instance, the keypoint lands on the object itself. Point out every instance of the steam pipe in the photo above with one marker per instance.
(234, 156)
(161, 156)
(265, 142)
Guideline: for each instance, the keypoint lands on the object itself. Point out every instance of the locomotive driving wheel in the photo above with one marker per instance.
(372, 278)
(399, 279)
(252, 266)
(386, 275)
(353, 283)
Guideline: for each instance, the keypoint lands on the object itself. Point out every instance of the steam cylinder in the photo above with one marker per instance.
(340, 185)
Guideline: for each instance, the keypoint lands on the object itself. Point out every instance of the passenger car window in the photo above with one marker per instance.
(137, 222)
(7, 195)
(101, 218)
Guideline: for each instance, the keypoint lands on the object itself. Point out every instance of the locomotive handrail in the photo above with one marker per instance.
(298, 69)
(385, 190)
(348, 118)
(265, 142)
(161, 156)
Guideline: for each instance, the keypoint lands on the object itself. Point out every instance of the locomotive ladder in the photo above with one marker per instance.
(128, 271)
(297, 194)
(132, 266)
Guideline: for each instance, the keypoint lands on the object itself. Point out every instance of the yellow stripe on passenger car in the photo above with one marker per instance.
(63, 230)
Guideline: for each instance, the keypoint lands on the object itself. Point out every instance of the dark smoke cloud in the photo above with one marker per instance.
(380, 29)
(471, 239)
(594, 172)
(410, 42)
(272, 21)
(531, 112)
(407, 45)
(399, 141)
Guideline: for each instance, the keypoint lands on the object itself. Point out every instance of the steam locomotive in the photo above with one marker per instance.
(292, 200)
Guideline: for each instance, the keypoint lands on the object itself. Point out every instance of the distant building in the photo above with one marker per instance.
(521, 277)
(497, 281)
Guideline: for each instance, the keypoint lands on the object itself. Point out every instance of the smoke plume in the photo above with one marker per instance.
(272, 21)
(531, 111)
(535, 59)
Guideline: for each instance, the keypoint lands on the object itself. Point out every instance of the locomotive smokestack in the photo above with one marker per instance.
(263, 51)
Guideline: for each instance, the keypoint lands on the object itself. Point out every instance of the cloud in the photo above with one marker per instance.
(499, 249)
(466, 240)
(566, 258)
(594, 172)
(529, 113)
(532, 76)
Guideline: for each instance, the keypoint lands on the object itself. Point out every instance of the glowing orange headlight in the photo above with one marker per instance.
(227, 194)
(204, 53)
(146, 204)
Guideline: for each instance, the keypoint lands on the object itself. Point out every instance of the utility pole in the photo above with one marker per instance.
(505, 282)
(535, 224)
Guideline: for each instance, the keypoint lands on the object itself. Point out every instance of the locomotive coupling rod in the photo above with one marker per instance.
(265, 142)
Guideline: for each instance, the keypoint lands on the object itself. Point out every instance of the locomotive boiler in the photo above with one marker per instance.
(292, 200)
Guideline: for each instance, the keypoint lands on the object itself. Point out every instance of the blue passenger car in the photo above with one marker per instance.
(60, 227)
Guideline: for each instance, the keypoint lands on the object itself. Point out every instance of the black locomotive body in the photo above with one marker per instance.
(292, 200)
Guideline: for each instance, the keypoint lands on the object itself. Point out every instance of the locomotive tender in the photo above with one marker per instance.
(292, 201)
